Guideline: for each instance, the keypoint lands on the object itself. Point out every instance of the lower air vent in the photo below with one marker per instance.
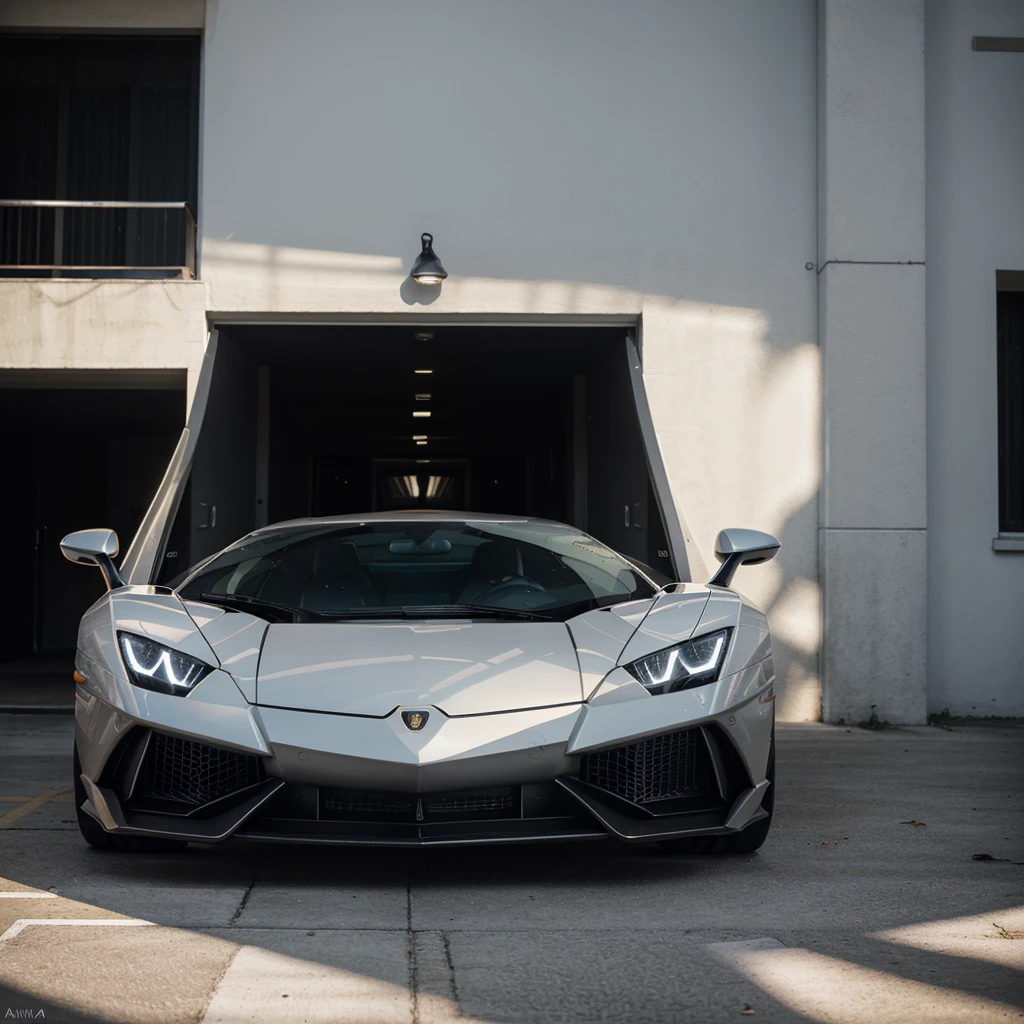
(479, 805)
(337, 803)
(666, 767)
(465, 805)
(190, 772)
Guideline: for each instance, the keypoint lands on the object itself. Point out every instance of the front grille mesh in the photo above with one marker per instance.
(474, 803)
(367, 803)
(193, 773)
(659, 768)
(341, 804)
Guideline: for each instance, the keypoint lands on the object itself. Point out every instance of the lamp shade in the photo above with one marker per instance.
(427, 269)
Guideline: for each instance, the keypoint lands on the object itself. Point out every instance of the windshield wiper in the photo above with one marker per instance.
(490, 610)
(438, 611)
(289, 613)
(245, 603)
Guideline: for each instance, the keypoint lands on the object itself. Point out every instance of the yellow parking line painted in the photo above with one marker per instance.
(66, 798)
(36, 802)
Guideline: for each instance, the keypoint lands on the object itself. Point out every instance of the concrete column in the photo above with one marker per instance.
(871, 218)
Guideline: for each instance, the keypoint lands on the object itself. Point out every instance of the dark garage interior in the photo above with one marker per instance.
(318, 420)
(88, 453)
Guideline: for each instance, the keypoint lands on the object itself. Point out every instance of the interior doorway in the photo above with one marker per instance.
(421, 483)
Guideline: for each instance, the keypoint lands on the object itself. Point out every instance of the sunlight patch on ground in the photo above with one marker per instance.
(263, 985)
(978, 937)
(834, 991)
(260, 985)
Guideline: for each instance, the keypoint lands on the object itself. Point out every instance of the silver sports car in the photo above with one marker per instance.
(420, 679)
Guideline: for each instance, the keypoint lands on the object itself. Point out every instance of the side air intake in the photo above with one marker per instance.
(667, 767)
(194, 773)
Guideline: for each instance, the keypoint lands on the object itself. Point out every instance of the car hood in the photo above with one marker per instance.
(461, 668)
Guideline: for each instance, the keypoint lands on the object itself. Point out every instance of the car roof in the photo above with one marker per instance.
(415, 514)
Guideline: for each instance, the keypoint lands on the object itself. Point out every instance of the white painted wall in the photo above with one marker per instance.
(648, 160)
(975, 215)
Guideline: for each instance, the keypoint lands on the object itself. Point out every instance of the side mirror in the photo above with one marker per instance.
(94, 547)
(734, 548)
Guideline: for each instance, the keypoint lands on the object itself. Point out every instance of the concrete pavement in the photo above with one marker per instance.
(41, 683)
(848, 913)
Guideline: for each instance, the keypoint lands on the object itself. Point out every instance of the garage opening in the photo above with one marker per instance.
(83, 449)
(316, 420)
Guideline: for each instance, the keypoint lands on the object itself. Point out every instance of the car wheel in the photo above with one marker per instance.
(747, 841)
(95, 834)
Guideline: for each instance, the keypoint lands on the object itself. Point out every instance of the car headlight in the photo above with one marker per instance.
(160, 668)
(688, 664)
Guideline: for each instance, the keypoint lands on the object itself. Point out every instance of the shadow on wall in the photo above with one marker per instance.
(415, 294)
(736, 410)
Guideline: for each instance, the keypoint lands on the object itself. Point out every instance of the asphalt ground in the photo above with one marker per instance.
(865, 904)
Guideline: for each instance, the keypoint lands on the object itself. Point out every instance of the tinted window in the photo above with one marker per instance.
(329, 570)
(1011, 411)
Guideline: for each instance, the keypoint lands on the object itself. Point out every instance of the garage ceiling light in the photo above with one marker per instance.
(423, 396)
(427, 269)
(419, 437)
(421, 412)
(422, 371)
(421, 442)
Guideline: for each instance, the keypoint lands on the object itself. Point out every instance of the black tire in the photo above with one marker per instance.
(95, 834)
(747, 841)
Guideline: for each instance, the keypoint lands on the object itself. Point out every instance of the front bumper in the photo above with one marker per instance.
(682, 782)
(212, 766)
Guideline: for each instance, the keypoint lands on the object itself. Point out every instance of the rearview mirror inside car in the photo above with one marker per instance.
(430, 546)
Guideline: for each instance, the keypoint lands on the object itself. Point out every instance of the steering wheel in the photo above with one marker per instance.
(516, 583)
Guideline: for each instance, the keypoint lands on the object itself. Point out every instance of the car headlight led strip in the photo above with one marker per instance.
(683, 666)
(156, 667)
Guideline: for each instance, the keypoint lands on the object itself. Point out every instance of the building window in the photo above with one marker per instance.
(87, 119)
(1010, 334)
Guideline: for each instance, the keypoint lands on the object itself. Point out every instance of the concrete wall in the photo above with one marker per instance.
(642, 162)
(70, 325)
(871, 188)
(165, 16)
(975, 213)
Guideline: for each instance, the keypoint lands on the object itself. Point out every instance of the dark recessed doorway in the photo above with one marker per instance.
(306, 420)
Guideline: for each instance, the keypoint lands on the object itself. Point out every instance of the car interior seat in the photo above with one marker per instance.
(338, 580)
(493, 563)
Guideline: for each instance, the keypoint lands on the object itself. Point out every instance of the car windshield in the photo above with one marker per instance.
(359, 570)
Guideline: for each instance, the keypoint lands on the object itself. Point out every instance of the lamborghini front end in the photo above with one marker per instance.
(203, 716)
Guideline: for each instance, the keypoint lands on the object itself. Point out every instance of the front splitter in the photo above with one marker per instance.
(439, 841)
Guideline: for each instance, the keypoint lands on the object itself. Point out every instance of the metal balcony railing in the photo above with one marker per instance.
(103, 238)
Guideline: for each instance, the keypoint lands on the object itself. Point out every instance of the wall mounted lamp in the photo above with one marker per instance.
(427, 269)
